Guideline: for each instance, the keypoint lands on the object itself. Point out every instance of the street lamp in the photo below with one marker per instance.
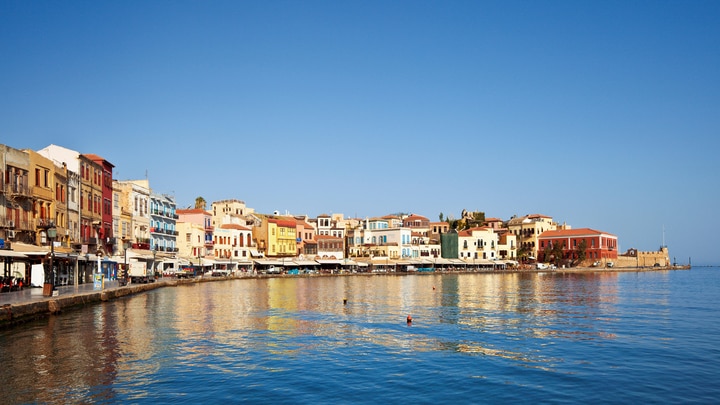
(49, 285)
(153, 264)
(124, 275)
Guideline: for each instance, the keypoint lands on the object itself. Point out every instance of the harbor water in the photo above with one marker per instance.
(596, 337)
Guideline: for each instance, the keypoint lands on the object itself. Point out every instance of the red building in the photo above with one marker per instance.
(106, 227)
(598, 245)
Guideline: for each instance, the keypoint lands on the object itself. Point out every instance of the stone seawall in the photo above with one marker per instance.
(11, 314)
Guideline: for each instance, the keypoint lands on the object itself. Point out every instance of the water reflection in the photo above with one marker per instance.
(238, 328)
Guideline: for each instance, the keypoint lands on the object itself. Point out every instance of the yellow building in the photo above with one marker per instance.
(527, 229)
(281, 237)
(41, 174)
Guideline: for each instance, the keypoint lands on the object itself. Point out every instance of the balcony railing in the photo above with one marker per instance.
(18, 189)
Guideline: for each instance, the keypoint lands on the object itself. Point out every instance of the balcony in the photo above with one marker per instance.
(18, 190)
(44, 223)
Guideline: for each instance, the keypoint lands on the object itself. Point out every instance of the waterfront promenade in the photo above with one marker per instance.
(29, 303)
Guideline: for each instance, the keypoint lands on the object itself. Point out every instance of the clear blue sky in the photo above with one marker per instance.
(601, 114)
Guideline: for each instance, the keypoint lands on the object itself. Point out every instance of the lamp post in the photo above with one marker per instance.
(153, 263)
(49, 285)
(124, 279)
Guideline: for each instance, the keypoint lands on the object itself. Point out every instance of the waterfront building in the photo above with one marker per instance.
(354, 239)
(83, 220)
(136, 201)
(16, 222)
(597, 245)
(330, 248)
(191, 245)
(131, 221)
(507, 244)
(90, 206)
(494, 223)
(70, 161)
(450, 245)
(307, 246)
(281, 237)
(437, 229)
(393, 221)
(478, 244)
(230, 211)
(163, 219)
(42, 179)
(203, 220)
(107, 241)
(232, 247)
(122, 216)
(395, 243)
(372, 224)
(527, 229)
(417, 222)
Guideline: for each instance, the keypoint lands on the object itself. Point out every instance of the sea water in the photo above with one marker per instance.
(554, 337)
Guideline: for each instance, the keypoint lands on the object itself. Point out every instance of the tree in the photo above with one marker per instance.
(479, 216)
(557, 252)
(523, 252)
(581, 252)
(441, 217)
(200, 203)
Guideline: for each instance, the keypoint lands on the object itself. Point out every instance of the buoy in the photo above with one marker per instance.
(409, 319)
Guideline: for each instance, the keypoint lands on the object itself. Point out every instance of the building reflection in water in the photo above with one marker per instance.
(222, 324)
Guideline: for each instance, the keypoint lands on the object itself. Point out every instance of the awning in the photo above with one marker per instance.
(306, 262)
(255, 253)
(29, 250)
(10, 253)
(266, 262)
(140, 254)
(329, 261)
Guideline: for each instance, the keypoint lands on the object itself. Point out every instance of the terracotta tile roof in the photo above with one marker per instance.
(572, 232)
(234, 226)
(288, 223)
(191, 211)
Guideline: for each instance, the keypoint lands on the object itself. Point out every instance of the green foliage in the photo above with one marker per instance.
(479, 216)
(557, 253)
(581, 251)
(200, 203)
(441, 217)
